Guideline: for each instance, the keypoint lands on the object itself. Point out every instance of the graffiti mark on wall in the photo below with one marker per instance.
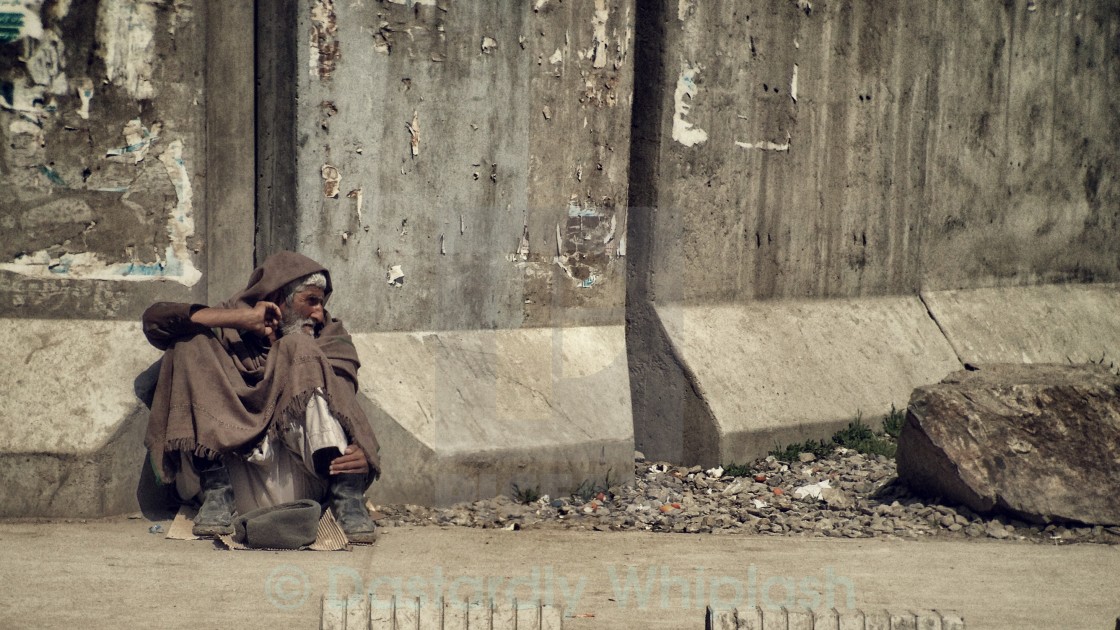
(684, 131)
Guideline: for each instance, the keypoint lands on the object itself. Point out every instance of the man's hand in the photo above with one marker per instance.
(352, 461)
(264, 319)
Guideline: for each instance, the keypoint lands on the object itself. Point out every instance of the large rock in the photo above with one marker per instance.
(1041, 442)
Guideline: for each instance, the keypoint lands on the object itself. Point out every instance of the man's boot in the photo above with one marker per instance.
(215, 517)
(348, 502)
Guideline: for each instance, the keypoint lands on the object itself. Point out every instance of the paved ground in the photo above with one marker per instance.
(113, 573)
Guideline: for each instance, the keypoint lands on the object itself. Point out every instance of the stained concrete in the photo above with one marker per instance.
(463, 415)
(1043, 324)
(782, 151)
(763, 374)
(71, 431)
(832, 150)
(481, 148)
(103, 148)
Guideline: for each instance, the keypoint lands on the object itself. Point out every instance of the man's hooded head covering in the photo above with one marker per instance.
(274, 273)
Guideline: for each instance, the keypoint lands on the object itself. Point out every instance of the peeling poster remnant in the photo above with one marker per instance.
(599, 48)
(685, 132)
(585, 246)
(325, 50)
(18, 21)
(138, 140)
(395, 276)
(125, 35)
(331, 180)
(85, 93)
(175, 265)
(414, 131)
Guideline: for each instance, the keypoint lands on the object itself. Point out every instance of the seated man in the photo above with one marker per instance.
(255, 403)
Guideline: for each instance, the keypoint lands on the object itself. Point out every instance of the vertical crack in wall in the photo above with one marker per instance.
(944, 333)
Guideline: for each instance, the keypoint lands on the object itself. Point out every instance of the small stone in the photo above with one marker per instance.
(805, 458)
(837, 499)
(996, 530)
(639, 456)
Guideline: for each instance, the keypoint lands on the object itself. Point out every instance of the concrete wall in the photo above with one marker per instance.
(101, 154)
(817, 205)
(793, 150)
(126, 176)
(478, 149)
(831, 149)
(462, 169)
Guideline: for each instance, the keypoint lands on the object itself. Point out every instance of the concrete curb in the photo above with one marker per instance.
(757, 618)
(357, 613)
(464, 415)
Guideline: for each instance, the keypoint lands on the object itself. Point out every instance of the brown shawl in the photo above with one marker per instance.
(219, 391)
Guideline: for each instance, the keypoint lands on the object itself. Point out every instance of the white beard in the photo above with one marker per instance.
(294, 325)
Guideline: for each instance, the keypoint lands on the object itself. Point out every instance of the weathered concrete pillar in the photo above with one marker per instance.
(462, 169)
(804, 172)
(127, 162)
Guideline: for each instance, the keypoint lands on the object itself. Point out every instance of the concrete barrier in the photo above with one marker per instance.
(463, 415)
(72, 426)
(743, 378)
(460, 415)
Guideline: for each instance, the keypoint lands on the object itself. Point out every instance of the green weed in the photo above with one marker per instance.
(526, 495)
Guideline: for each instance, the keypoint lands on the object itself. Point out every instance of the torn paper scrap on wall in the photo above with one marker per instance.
(325, 50)
(20, 19)
(85, 93)
(684, 131)
(585, 246)
(138, 140)
(331, 180)
(175, 263)
(395, 276)
(125, 36)
(599, 48)
(414, 133)
(45, 64)
(181, 225)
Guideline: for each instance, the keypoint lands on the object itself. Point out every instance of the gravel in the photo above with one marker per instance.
(844, 495)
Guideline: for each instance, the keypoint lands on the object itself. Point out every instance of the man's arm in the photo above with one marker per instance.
(167, 322)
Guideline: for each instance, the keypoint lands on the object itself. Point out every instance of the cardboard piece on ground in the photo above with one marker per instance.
(330, 536)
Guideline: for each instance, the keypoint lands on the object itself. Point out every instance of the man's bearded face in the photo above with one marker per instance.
(305, 313)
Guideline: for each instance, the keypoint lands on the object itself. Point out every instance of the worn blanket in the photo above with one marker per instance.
(220, 390)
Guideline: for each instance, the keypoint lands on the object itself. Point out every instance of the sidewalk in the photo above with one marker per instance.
(113, 574)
